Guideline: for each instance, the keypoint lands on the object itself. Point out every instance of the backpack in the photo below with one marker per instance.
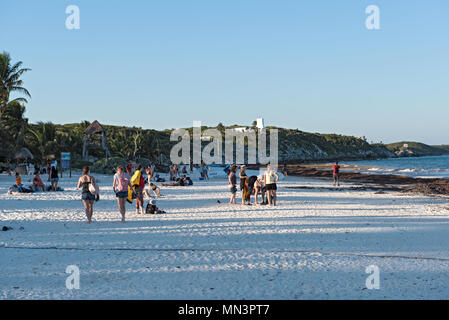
(150, 209)
(122, 183)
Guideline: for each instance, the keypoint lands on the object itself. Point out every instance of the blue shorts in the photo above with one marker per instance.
(121, 194)
(87, 196)
(54, 179)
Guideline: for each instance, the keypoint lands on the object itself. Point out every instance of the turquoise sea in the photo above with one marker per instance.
(424, 167)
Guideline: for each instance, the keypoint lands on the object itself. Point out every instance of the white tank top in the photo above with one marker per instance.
(269, 177)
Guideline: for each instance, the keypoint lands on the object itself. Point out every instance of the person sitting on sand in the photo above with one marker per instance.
(232, 181)
(88, 198)
(19, 182)
(180, 182)
(37, 182)
(336, 173)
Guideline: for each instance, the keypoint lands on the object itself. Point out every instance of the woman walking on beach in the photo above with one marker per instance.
(88, 198)
(270, 179)
(232, 180)
(120, 187)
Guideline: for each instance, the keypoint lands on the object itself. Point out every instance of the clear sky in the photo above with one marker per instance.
(310, 65)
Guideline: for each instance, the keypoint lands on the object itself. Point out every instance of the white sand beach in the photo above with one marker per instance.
(316, 244)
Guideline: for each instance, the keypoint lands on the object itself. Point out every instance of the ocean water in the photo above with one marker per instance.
(418, 167)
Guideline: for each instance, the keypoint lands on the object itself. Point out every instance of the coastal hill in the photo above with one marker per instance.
(416, 149)
(297, 145)
(46, 140)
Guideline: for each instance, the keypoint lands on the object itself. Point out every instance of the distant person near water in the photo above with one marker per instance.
(120, 186)
(336, 173)
(87, 196)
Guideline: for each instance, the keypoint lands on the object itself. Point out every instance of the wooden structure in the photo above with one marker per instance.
(94, 130)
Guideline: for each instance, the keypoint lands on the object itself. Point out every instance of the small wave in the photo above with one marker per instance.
(408, 170)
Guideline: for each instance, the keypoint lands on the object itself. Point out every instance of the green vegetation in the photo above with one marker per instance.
(410, 148)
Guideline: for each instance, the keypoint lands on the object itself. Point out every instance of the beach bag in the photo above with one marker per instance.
(150, 209)
(94, 189)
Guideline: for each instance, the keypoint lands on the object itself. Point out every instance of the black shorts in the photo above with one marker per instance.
(271, 186)
(122, 194)
(233, 189)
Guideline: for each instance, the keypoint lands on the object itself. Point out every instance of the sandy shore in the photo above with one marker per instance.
(316, 244)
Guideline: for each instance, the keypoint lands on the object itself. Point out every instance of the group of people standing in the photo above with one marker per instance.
(124, 183)
(265, 185)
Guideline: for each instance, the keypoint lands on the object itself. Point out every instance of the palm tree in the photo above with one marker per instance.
(10, 80)
(44, 133)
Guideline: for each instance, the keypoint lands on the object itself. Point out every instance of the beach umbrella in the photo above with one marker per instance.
(23, 153)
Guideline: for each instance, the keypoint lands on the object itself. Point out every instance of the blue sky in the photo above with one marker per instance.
(310, 65)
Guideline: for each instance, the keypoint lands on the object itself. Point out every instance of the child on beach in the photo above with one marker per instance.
(19, 182)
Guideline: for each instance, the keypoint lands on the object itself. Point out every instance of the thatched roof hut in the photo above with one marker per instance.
(23, 154)
(94, 128)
